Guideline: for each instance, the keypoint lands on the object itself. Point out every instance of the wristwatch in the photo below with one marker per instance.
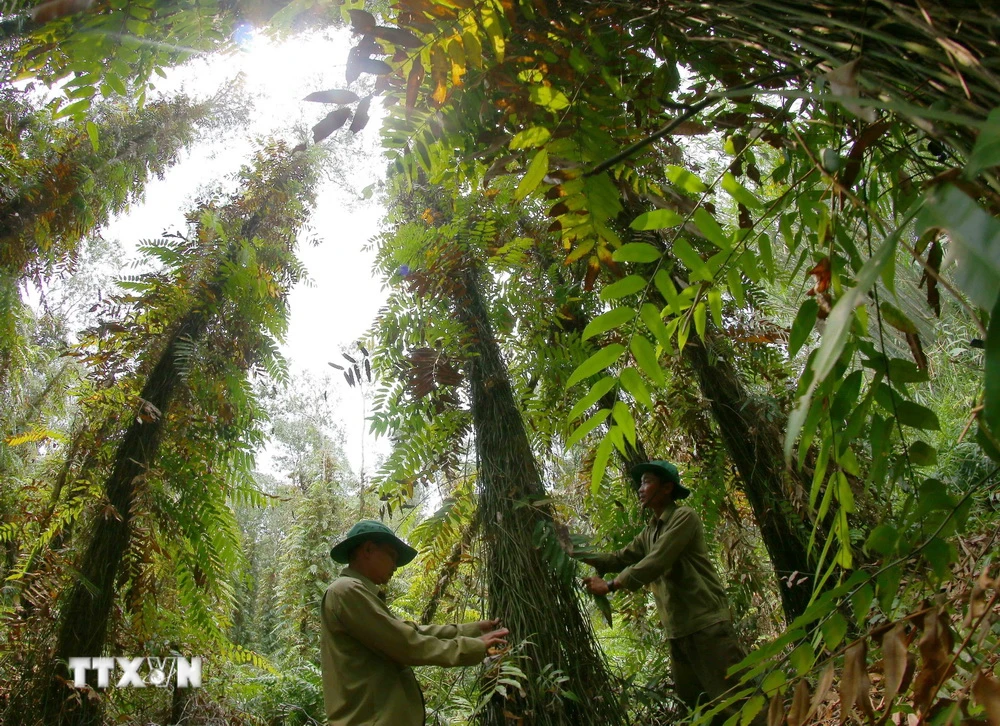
(610, 584)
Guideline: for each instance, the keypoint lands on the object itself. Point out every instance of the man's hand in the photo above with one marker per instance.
(486, 626)
(495, 638)
(596, 585)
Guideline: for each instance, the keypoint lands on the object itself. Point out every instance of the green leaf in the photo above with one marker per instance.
(548, 97)
(766, 253)
(651, 317)
(595, 394)
(116, 83)
(834, 630)
(692, 260)
(838, 326)
(623, 417)
(715, 303)
(699, 314)
(74, 109)
(917, 416)
(861, 602)
(608, 321)
(940, 556)
(625, 286)
(887, 585)
(906, 371)
(604, 607)
(601, 457)
(802, 658)
(645, 357)
(739, 192)
(603, 197)
(93, 134)
(975, 242)
(922, 454)
(636, 252)
(587, 426)
(846, 397)
(705, 222)
(897, 318)
(882, 539)
(933, 497)
(687, 181)
(986, 153)
(735, 283)
(773, 681)
(751, 708)
(683, 331)
(596, 363)
(536, 171)
(633, 383)
(665, 285)
(530, 138)
(657, 219)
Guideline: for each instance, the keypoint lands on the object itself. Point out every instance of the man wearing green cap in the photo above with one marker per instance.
(671, 557)
(367, 652)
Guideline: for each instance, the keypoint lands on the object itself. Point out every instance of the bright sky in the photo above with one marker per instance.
(344, 298)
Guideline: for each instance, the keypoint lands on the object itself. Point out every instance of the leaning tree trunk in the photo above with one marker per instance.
(83, 626)
(526, 590)
(753, 443)
(754, 446)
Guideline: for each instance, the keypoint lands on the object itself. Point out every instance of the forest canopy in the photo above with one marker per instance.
(759, 239)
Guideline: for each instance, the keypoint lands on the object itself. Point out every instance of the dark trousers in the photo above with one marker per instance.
(700, 662)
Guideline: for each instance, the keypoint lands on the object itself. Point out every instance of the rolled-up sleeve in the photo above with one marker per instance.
(367, 620)
(663, 553)
(467, 630)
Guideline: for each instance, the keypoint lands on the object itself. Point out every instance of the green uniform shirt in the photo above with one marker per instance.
(670, 555)
(367, 653)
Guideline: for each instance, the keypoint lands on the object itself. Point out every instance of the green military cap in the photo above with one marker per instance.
(663, 469)
(370, 529)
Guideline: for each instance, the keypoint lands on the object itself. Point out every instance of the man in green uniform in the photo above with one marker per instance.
(367, 652)
(671, 557)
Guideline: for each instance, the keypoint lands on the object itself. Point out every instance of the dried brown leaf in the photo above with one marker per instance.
(361, 21)
(361, 117)
(977, 599)
(894, 655)
(413, 81)
(800, 709)
(330, 123)
(822, 688)
(935, 653)
(776, 710)
(334, 95)
(986, 691)
(854, 683)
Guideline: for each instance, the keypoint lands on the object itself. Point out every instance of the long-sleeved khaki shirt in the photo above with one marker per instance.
(670, 555)
(367, 652)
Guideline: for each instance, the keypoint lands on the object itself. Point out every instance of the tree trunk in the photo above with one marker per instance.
(754, 446)
(532, 596)
(83, 626)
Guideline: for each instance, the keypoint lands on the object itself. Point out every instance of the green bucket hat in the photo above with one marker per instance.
(370, 529)
(663, 469)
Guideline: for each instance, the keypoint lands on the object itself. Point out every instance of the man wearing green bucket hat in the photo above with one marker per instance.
(367, 652)
(671, 557)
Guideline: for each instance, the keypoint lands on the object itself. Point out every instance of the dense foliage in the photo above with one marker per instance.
(758, 238)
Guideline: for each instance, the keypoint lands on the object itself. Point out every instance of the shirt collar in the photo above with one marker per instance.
(665, 516)
(349, 572)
